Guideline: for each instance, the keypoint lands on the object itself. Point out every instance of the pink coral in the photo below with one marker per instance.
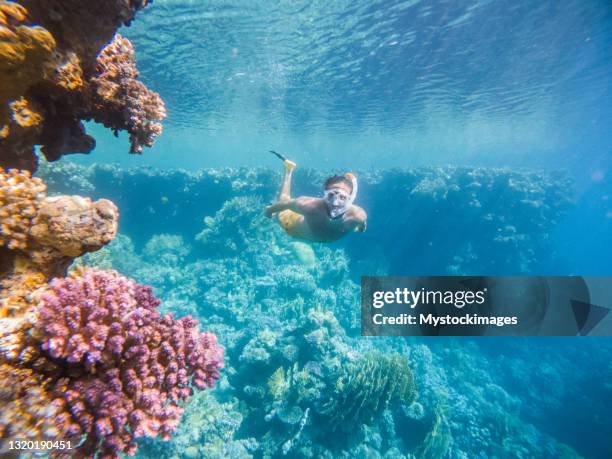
(134, 364)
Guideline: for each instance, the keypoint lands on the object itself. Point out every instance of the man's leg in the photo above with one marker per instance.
(285, 193)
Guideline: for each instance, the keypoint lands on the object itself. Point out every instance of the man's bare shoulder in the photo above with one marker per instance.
(357, 213)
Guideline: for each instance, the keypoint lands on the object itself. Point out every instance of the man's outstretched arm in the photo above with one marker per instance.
(302, 205)
(359, 219)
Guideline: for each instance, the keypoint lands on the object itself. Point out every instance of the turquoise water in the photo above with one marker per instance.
(480, 132)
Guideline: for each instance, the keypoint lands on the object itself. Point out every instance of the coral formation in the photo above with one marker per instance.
(20, 197)
(119, 101)
(59, 65)
(45, 233)
(86, 358)
(367, 387)
(106, 366)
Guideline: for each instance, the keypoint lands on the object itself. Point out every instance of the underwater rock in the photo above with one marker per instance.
(57, 70)
(73, 225)
(45, 233)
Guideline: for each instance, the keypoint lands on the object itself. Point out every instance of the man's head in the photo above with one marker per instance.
(339, 193)
(339, 181)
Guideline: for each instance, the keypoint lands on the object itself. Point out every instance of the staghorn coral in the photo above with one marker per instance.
(105, 365)
(20, 197)
(53, 75)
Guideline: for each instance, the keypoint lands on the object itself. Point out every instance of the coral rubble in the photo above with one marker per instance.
(61, 63)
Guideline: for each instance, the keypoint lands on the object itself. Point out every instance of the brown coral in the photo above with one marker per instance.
(49, 231)
(53, 76)
(20, 196)
(120, 101)
(29, 411)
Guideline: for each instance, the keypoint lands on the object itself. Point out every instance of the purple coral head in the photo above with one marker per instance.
(129, 366)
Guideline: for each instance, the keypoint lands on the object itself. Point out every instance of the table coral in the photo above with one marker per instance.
(57, 69)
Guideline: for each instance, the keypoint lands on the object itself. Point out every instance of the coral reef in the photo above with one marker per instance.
(286, 314)
(59, 65)
(514, 211)
(86, 358)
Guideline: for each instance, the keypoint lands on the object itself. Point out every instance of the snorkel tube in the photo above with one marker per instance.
(353, 179)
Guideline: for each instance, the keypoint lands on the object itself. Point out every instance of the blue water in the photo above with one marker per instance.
(458, 117)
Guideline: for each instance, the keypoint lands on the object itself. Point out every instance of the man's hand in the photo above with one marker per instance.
(269, 211)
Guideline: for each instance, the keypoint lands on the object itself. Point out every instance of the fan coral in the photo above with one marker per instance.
(107, 366)
(53, 75)
(20, 195)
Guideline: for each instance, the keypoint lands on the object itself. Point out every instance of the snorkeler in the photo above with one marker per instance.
(323, 219)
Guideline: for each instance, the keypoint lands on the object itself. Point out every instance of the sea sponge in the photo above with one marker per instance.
(20, 196)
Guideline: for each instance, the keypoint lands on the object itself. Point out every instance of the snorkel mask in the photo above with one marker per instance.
(338, 200)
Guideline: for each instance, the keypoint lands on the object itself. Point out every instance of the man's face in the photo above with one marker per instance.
(337, 196)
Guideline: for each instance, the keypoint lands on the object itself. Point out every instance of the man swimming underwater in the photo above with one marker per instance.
(323, 219)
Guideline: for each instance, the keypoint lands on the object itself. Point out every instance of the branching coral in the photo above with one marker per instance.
(54, 73)
(143, 362)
